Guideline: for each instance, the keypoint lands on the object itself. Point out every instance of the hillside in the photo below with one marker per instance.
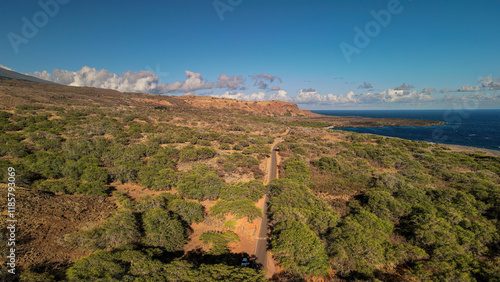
(9, 74)
(125, 186)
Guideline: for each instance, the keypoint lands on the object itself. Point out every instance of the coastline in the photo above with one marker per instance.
(451, 147)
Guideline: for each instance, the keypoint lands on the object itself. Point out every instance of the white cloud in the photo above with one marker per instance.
(387, 96)
(306, 96)
(490, 83)
(282, 95)
(468, 88)
(194, 82)
(140, 81)
(44, 75)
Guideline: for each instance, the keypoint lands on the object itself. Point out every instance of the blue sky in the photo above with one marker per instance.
(281, 49)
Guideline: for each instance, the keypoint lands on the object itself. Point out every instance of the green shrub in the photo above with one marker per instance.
(95, 173)
(230, 224)
(218, 241)
(188, 211)
(298, 250)
(163, 179)
(119, 230)
(63, 185)
(163, 230)
(94, 188)
(253, 190)
(225, 146)
(201, 184)
(239, 208)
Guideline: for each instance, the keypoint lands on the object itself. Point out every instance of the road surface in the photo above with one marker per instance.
(261, 248)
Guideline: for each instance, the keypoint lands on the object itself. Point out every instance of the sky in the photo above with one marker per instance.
(330, 54)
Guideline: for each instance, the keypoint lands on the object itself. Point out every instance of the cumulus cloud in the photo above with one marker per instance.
(490, 83)
(281, 95)
(43, 75)
(365, 85)
(404, 87)
(231, 82)
(388, 96)
(140, 81)
(313, 97)
(275, 88)
(468, 88)
(194, 82)
(428, 90)
(400, 96)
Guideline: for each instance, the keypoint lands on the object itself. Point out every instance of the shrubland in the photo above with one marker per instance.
(346, 206)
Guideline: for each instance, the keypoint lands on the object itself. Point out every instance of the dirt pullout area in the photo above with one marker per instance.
(245, 230)
(43, 220)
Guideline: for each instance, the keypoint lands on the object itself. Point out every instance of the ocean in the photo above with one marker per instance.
(476, 128)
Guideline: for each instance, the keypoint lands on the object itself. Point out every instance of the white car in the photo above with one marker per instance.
(245, 262)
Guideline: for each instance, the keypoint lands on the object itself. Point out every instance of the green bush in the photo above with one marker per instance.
(95, 174)
(48, 165)
(94, 188)
(119, 230)
(298, 250)
(163, 230)
(200, 184)
(239, 208)
(157, 179)
(253, 190)
(327, 163)
(297, 170)
(188, 211)
(225, 146)
(218, 241)
(63, 185)
(142, 266)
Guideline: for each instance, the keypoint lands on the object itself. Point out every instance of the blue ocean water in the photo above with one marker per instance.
(477, 128)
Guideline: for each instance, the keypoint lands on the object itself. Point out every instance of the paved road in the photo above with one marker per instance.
(261, 248)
